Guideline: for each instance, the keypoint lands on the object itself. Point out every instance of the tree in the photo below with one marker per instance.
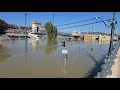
(3, 26)
(51, 30)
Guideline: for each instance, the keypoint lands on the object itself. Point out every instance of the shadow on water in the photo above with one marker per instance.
(89, 54)
(51, 46)
(97, 68)
(4, 53)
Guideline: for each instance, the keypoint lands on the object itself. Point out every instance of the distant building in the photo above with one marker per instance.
(35, 26)
(75, 33)
(99, 37)
(104, 37)
(87, 38)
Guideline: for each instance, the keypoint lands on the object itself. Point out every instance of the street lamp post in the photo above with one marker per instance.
(25, 27)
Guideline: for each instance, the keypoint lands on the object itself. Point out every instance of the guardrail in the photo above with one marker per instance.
(108, 62)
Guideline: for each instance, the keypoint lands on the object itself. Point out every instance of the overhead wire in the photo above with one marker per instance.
(83, 25)
(78, 21)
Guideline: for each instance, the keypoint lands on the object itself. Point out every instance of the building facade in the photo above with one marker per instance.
(35, 26)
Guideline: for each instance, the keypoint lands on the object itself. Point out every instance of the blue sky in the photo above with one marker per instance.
(18, 18)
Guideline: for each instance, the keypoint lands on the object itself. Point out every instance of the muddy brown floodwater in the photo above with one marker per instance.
(45, 60)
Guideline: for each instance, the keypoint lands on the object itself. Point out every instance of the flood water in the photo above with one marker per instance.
(42, 59)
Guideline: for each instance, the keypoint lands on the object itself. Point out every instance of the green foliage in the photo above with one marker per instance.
(51, 30)
(3, 26)
(48, 49)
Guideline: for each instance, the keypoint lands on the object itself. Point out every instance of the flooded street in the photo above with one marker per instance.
(43, 59)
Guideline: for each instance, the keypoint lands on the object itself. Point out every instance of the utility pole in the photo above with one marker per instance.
(25, 39)
(112, 32)
(25, 33)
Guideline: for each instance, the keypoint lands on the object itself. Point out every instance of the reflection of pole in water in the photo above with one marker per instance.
(79, 48)
(64, 70)
(79, 44)
(35, 43)
(65, 61)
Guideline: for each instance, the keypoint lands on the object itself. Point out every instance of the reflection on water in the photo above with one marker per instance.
(35, 43)
(51, 46)
(104, 42)
(100, 42)
(4, 53)
(64, 70)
